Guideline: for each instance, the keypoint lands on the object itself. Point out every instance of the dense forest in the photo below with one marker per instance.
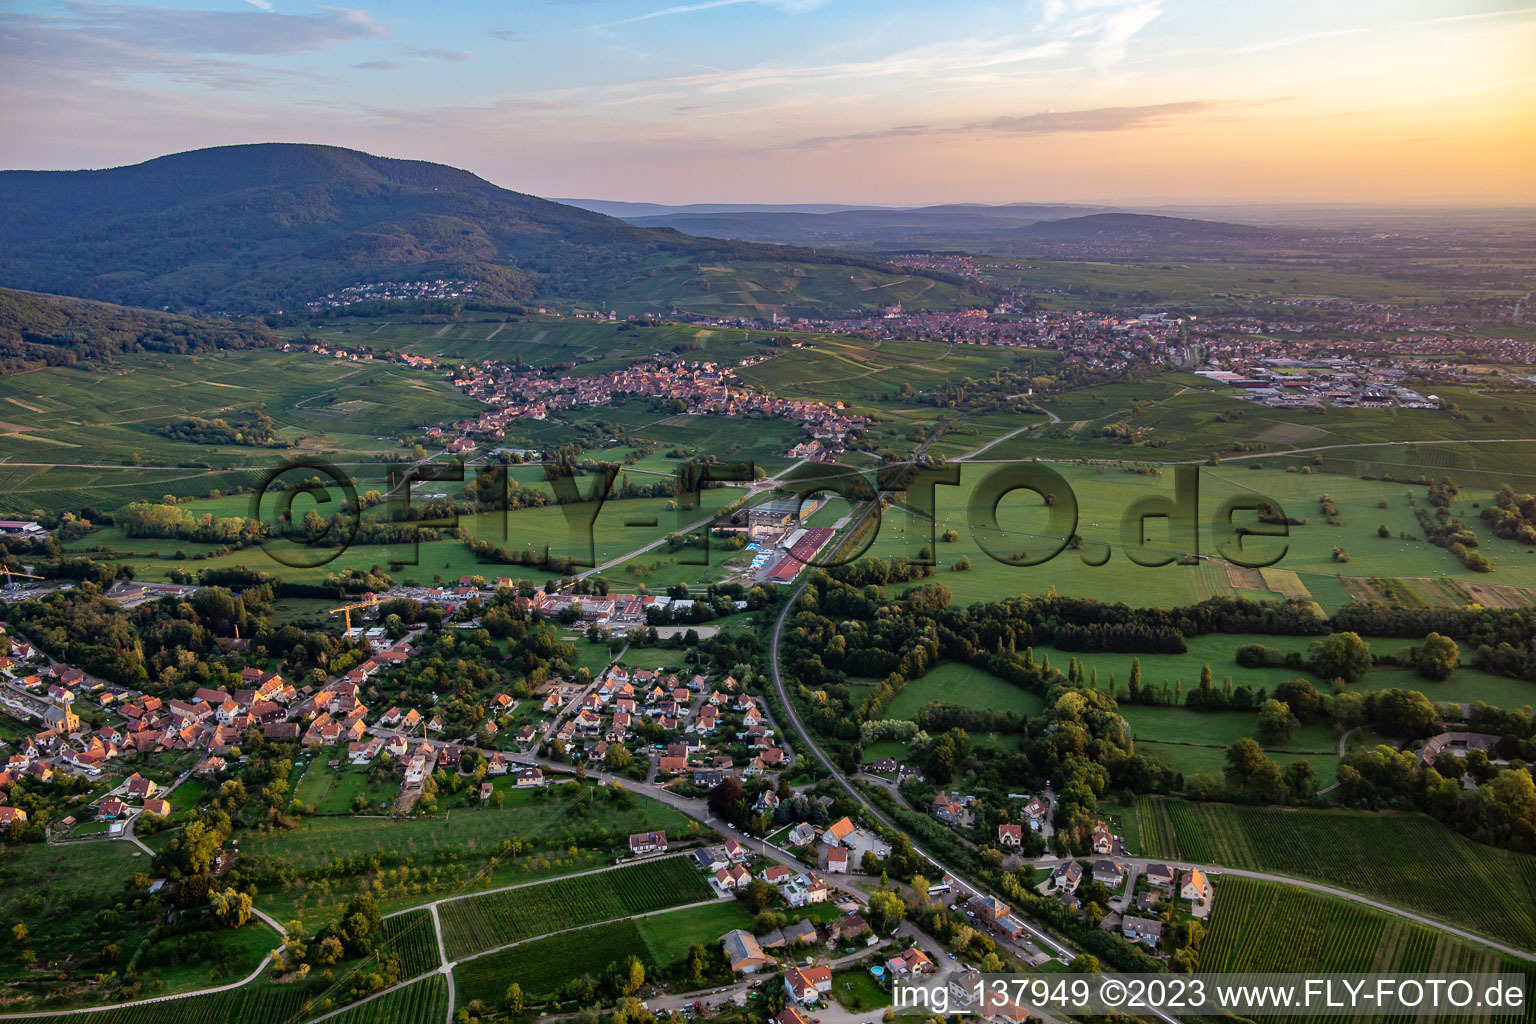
(50, 330)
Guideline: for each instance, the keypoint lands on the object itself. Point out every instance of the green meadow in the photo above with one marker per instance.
(1105, 496)
(1218, 650)
(618, 527)
(955, 683)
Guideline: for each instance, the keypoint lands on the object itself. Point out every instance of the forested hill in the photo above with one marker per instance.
(50, 330)
(265, 227)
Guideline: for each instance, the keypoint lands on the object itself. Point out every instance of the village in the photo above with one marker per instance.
(681, 734)
(378, 291)
(697, 387)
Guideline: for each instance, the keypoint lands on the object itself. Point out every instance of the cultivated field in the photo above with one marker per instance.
(542, 966)
(484, 922)
(1407, 860)
(1262, 926)
(249, 1004)
(91, 432)
(1105, 494)
(412, 940)
(417, 1003)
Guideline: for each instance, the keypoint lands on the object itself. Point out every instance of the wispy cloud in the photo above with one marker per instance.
(1047, 122)
(379, 65)
(260, 4)
(178, 30)
(788, 6)
(1103, 27)
(932, 61)
(116, 43)
(434, 53)
(1113, 34)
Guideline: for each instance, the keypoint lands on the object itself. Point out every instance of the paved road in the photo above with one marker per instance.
(444, 966)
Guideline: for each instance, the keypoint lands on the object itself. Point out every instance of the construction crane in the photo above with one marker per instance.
(9, 572)
(348, 609)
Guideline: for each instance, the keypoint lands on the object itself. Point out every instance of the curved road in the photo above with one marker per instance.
(1041, 937)
(804, 737)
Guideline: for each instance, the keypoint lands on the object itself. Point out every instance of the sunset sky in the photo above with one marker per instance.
(868, 101)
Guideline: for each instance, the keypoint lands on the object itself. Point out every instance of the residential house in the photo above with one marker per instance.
(1142, 929)
(805, 890)
(1195, 886)
(528, 778)
(1067, 876)
(838, 832)
(711, 858)
(642, 843)
(1011, 836)
(1108, 872)
(806, 985)
(951, 810)
(911, 961)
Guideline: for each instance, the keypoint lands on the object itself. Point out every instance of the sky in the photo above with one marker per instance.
(794, 101)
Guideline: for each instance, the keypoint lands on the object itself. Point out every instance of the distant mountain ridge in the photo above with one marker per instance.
(890, 227)
(630, 211)
(1142, 227)
(269, 226)
(973, 226)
